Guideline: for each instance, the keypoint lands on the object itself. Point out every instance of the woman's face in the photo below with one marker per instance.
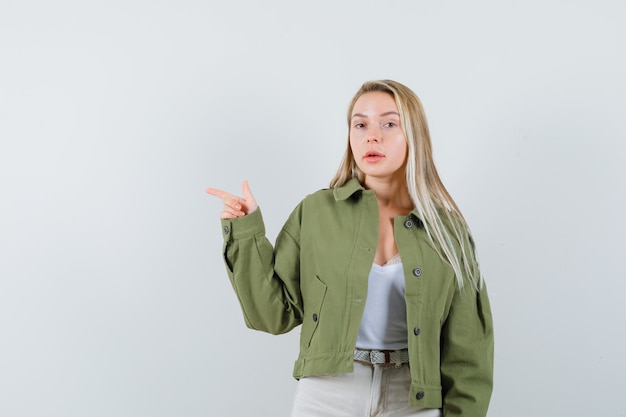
(377, 140)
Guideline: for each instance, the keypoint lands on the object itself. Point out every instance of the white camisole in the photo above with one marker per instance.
(383, 326)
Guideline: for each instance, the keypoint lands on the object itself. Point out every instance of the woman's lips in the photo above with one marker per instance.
(373, 156)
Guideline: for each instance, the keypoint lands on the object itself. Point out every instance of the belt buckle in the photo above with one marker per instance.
(377, 357)
(380, 356)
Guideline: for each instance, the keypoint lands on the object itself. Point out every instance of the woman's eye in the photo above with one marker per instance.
(390, 124)
(358, 125)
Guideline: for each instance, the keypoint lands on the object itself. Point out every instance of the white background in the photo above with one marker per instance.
(115, 116)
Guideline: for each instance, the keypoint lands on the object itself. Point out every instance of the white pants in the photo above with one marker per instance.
(371, 390)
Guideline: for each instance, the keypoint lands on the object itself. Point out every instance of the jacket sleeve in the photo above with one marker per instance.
(265, 279)
(467, 355)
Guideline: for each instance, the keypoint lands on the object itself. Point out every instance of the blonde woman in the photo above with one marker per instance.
(381, 272)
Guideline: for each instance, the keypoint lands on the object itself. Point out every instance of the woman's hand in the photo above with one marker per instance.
(235, 206)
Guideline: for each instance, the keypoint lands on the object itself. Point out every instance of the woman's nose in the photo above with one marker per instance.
(374, 136)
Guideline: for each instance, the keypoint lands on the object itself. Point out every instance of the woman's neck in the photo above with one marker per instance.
(390, 192)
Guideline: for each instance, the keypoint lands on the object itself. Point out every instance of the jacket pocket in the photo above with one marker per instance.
(229, 265)
(313, 301)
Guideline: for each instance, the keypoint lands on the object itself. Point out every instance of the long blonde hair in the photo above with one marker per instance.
(442, 218)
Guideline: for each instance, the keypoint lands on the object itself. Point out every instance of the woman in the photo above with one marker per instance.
(381, 272)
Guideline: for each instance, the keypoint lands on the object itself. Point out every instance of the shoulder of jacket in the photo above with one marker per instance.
(323, 195)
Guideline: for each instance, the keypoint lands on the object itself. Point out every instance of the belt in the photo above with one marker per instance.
(382, 356)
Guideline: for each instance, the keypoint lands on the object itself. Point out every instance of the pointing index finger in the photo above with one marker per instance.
(217, 193)
(224, 196)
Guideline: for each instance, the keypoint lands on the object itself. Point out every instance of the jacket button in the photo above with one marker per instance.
(419, 395)
(417, 331)
(417, 272)
(408, 224)
(226, 230)
(314, 316)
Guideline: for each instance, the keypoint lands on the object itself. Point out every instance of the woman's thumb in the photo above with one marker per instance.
(245, 189)
(248, 197)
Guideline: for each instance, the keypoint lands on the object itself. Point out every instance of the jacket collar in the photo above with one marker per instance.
(348, 189)
(352, 187)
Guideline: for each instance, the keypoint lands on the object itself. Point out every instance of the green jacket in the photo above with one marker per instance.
(317, 276)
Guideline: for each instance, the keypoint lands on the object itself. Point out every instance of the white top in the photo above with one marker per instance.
(383, 326)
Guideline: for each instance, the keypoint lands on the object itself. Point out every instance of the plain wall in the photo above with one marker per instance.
(116, 115)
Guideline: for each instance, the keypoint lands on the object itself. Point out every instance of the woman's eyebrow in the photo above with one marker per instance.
(381, 115)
